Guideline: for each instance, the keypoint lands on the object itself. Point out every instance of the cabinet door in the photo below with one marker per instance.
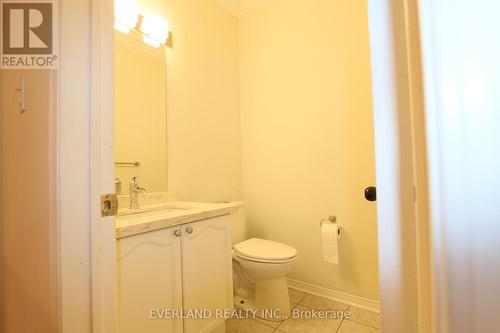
(149, 282)
(206, 270)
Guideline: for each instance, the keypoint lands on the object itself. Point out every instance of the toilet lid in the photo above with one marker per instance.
(265, 250)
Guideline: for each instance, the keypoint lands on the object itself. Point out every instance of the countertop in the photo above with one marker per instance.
(169, 214)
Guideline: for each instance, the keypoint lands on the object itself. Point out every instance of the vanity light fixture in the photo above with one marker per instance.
(155, 29)
(126, 15)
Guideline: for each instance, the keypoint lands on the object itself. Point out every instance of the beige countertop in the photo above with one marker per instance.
(168, 214)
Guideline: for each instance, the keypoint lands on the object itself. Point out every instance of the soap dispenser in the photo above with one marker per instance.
(118, 186)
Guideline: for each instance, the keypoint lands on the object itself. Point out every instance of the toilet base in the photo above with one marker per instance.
(271, 300)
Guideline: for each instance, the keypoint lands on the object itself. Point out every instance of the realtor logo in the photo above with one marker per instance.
(28, 35)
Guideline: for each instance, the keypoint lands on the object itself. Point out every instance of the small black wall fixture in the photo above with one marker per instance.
(371, 193)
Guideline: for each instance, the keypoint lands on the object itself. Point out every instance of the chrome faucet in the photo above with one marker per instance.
(134, 190)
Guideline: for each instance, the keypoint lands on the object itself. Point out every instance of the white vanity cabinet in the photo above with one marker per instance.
(149, 279)
(207, 274)
(183, 267)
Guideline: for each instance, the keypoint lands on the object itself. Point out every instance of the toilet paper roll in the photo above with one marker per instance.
(330, 234)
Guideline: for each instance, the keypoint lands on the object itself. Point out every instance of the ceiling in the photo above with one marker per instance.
(241, 8)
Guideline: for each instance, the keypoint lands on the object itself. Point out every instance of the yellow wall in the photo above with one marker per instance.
(307, 135)
(28, 222)
(297, 73)
(203, 128)
(140, 112)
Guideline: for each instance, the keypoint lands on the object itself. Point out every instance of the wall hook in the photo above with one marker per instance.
(22, 94)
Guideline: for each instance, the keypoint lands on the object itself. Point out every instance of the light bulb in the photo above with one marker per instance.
(126, 15)
(155, 29)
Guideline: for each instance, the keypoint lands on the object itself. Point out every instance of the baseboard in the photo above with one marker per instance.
(360, 302)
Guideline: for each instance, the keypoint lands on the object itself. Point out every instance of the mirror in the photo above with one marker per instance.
(140, 113)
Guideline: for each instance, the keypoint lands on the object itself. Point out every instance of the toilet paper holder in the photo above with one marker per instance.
(331, 219)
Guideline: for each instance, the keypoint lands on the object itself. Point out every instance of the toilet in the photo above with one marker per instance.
(260, 268)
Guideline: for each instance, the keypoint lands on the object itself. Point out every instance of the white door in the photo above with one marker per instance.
(462, 78)
(206, 270)
(149, 282)
(395, 106)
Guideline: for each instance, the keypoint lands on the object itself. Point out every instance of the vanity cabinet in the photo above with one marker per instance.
(149, 279)
(207, 274)
(186, 267)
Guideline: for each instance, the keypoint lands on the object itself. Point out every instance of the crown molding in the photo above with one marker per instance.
(232, 6)
(241, 8)
(249, 6)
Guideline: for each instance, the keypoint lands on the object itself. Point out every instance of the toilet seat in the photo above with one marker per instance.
(265, 251)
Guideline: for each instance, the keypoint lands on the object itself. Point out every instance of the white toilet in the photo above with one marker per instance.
(261, 267)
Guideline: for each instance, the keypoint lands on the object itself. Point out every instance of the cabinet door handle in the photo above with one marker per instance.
(189, 230)
(177, 233)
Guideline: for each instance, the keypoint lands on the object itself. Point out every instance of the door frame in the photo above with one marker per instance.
(102, 174)
(86, 166)
(93, 250)
(405, 249)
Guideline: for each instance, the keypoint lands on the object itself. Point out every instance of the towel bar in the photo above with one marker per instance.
(135, 163)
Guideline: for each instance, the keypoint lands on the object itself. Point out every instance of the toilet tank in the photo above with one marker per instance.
(238, 225)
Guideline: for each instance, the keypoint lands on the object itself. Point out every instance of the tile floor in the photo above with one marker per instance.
(360, 320)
